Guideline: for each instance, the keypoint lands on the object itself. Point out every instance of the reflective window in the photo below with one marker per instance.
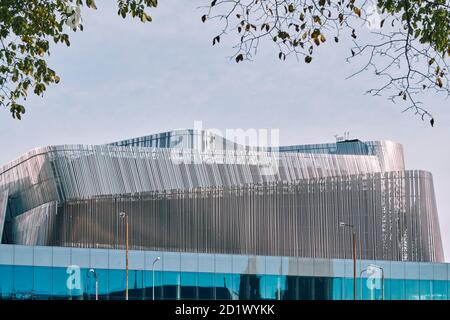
(188, 285)
(290, 291)
(103, 289)
(206, 286)
(337, 288)
(348, 288)
(171, 285)
(440, 290)
(397, 289)
(271, 290)
(386, 295)
(135, 284)
(412, 289)
(6, 281)
(305, 288)
(42, 283)
(323, 288)
(116, 284)
(23, 282)
(224, 287)
(249, 286)
(148, 285)
(426, 289)
(236, 286)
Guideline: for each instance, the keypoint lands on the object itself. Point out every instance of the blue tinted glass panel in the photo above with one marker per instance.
(206, 285)
(103, 289)
(236, 285)
(337, 288)
(249, 286)
(386, 295)
(426, 289)
(42, 282)
(23, 282)
(116, 284)
(171, 283)
(440, 290)
(364, 291)
(148, 285)
(271, 287)
(323, 288)
(6, 281)
(290, 291)
(136, 284)
(224, 287)
(397, 289)
(282, 281)
(348, 288)
(412, 289)
(305, 288)
(188, 284)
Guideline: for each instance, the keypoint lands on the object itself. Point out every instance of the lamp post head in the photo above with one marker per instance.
(122, 214)
(155, 261)
(93, 272)
(341, 224)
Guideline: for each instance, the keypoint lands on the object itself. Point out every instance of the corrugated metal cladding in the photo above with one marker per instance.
(394, 214)
(70, 172)
(208, 195)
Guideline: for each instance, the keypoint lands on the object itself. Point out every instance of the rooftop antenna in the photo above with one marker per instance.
(347, 135)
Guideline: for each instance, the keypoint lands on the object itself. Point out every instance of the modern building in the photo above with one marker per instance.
(228, 221)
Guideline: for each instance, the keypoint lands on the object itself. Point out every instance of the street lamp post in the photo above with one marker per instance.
(94, 273)
(343, 224)
(382, 283)
(153, 276)
(125, 216)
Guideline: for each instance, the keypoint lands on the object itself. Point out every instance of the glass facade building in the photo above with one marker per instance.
(229, 221)
(33, 272)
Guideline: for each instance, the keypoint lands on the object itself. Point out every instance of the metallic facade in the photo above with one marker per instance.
(191, 191)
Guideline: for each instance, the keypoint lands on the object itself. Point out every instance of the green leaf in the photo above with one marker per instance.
(91, 4)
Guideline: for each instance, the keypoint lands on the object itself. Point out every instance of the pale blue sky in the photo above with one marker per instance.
(122, 79)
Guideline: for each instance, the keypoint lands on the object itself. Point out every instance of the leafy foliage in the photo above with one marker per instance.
(410, 51)
(408, 47)
(26, 29)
